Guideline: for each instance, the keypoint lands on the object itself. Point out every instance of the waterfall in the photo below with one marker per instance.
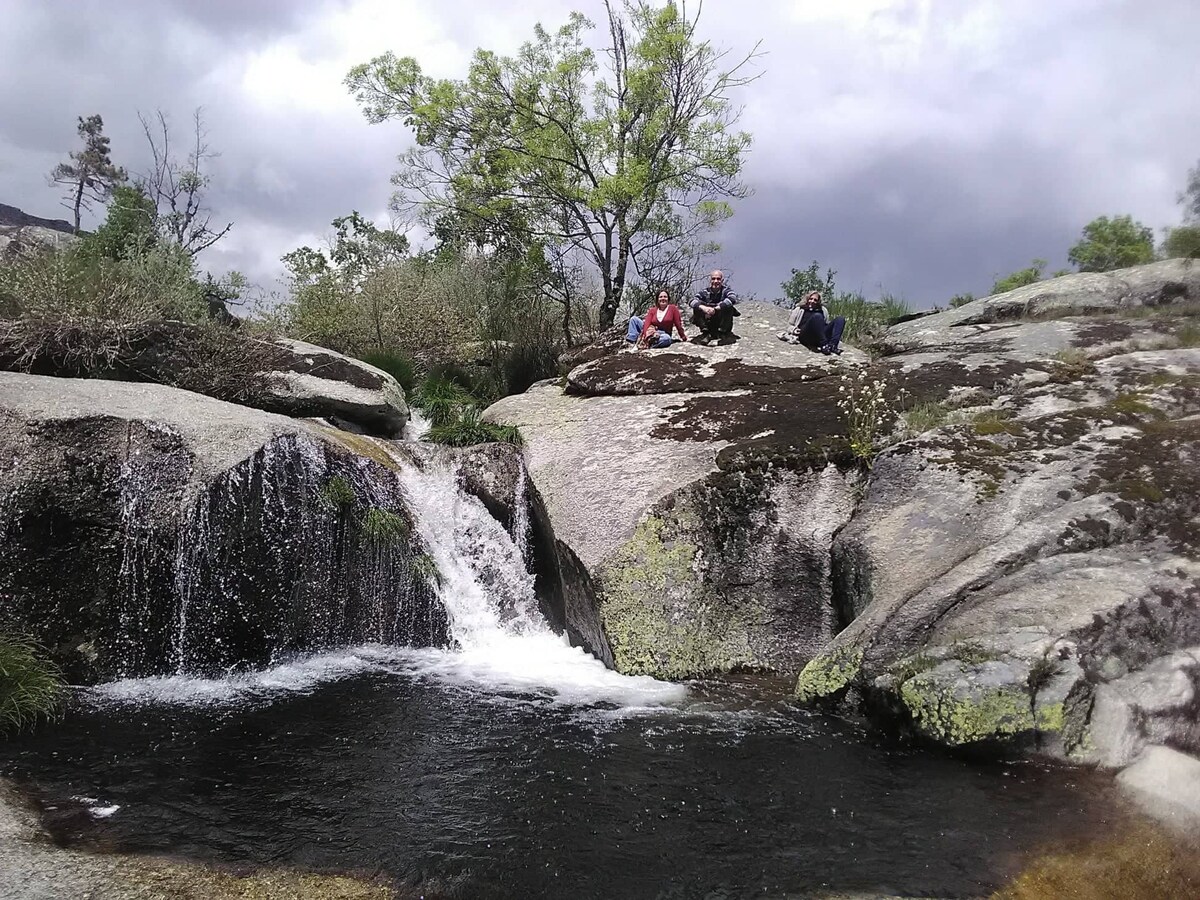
(269, 588)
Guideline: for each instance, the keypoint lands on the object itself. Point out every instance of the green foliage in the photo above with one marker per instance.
(1188, 335)
(865, 318)
(996, 421)
(426, 567)
(1020, 278)
(31, 686)
(395, 364)
(620, 152)
(925, 416)
(442, 399)
(804, 281)
(384, 527)
(961, 300)
(467, 430)
(128, 229)
(1182, 242)
(338, 493)
(75, 286)
(1115, 243)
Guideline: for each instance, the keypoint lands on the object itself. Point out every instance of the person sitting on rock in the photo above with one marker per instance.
(654, 329)
(809, 326)
(713, 309)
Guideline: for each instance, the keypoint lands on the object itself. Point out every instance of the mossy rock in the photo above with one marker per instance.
(828, 674)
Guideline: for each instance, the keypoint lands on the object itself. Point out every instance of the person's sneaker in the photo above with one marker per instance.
(824, 348)
(702, 339)
(836, 351)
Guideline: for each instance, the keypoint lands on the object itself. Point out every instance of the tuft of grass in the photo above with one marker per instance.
(912, 666)
(1043, 670)
(996, 421)
(1132, 405)
(338, 493)
(926, 416)
(31, 686)
(972, 653)
(424, 566)
(443, 400)
(865, 317)
(1141, 864)
(384, 527)
(1071, 364)
(1188, 335)
(395, 364)
(468, 431)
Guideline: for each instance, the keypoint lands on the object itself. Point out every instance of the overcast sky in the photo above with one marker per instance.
(919, 147)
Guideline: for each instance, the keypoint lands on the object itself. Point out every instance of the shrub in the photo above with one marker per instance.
(395, 364)
(1182, 242)
(31, 687)
(961, 300)
(1020, 278)
(1114, 243)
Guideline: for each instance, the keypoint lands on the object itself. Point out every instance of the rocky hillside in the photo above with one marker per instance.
(22, 233)
(1020, 564)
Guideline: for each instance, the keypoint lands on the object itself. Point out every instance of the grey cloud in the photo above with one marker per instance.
(922, 151)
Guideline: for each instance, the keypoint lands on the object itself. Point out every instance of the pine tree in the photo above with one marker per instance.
(90, 176)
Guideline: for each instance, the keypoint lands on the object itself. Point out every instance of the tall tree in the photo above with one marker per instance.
(90, 176)
(1114, 243)
(612, 155)
(178, 186)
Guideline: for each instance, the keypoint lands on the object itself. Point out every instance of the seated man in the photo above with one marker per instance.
(713, 309)
(810, 328)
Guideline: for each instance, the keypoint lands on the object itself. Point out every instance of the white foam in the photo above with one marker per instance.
(502, 643)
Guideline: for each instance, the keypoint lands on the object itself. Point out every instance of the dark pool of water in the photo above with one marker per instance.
(462, 793)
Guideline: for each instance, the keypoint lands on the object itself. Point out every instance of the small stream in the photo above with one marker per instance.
(514, 765)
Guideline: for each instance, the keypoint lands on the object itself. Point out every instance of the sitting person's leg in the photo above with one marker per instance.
(706, 324)
(635, 329)
(833, 333)
(723, 319)
(662, 339)
(812, 332)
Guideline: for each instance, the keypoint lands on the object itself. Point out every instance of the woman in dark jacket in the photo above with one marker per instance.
(810, 326)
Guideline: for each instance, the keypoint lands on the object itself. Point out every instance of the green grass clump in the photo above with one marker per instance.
(395, 364)
(972, 653)
(926, 416)
(468, 431)
(1188, 335)
(1132, 405)
(384, 527)
(338, 493)
(863, 316)
(31, 687)
(443, 400)
(996, 421)
(425, 566)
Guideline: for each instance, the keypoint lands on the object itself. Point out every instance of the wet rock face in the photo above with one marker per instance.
(200, 539)
(730, 574)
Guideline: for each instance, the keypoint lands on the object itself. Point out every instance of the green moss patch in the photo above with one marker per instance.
(828, 674)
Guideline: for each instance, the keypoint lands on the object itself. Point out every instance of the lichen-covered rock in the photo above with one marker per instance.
(694, 493)
(147, 530)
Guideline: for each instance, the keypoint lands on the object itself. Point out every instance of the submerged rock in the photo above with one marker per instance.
(146, 530)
